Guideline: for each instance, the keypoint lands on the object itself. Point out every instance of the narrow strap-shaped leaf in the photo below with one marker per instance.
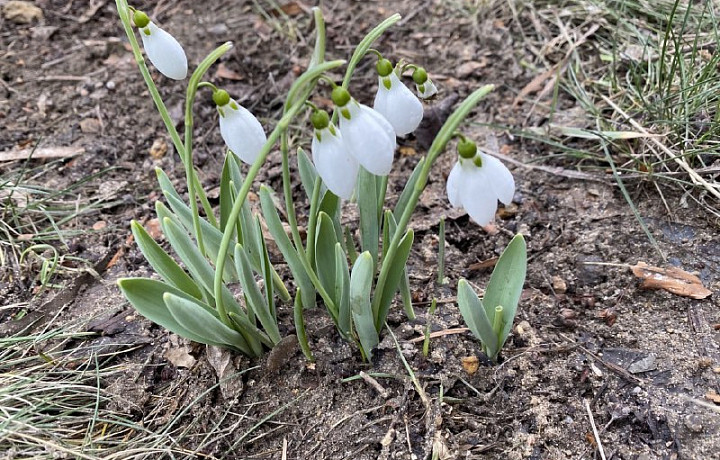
(196, 264)
(408, 190)
(202, 323)
(162, 263)
(342, 292)
(226, 197)
(395, 273)
(272, 219)
(325, 240)
(211, 235)
(368, 204)
(506, 283)
(165, 184)
(473, 312)
(254, 336)
(308, 173)
(360, 287)
(255, 299)
(267, 271)
(146, 296)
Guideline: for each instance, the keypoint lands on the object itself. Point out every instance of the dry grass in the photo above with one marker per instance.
(627, 85)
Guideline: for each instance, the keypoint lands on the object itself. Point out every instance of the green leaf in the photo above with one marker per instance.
(255, 299)
(226, 187)
(146, 296)
(325, 240)
(342, 292)
(211, 235)
(196, 264)
(360, 286)
(308, 173)
(395, 273)
(506, 283)
(166, 185)
(368, 204)
(162, 263)
(407, 192)
(272, 219)
(202, 323)
(473, 313)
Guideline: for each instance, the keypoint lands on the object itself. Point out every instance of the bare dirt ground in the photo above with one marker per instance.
(587, 336)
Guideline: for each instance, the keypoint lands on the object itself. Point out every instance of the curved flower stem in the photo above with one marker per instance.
(307, 83)
(437, 147)
(192, 88)
(364, 46)
(123, 7)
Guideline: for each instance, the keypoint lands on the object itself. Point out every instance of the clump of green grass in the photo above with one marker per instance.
(631, 87)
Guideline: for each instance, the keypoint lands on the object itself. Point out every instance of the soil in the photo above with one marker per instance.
(588, 343)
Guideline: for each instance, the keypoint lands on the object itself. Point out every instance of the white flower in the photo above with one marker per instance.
(369, 137)
(398, 104)
(427, 89)
(241, 131)
(337, 168)
(166, 54)
(478, 188)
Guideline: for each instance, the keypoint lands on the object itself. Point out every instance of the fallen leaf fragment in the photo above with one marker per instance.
(671, 279)
(470, 364)
(712, 396)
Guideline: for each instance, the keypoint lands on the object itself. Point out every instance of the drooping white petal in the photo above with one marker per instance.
(427, 89)
(501, 179)
(477, 195)
(369, 138)
(398, 105)
(241, 131)
(453, 186)
(337, 168)
(165, 53)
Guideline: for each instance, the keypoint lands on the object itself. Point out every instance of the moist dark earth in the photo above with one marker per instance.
(587, 338)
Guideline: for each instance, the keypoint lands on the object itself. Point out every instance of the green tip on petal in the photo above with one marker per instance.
(221, 97)
(340, 96)
(477, 161)
(384, 67)
(420, 76)
(467, 149)
(141, 19)
(320, 119)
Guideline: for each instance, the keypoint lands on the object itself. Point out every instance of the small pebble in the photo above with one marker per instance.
(693, 423)
(110, 85)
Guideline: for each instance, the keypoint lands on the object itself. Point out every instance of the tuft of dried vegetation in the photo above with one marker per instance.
(628, 87)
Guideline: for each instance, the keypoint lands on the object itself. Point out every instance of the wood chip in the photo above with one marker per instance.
(671, 279)
(41, 153)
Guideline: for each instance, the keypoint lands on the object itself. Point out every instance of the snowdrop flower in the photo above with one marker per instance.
(166, 54)
(368, 136)
(337, 168)
(477, 182)
(423, 84)
(241, 131)
(395, 101)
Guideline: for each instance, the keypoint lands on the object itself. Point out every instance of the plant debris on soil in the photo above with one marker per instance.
(590, 346)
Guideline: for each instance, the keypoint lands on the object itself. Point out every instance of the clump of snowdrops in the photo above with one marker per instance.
(352, 154)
